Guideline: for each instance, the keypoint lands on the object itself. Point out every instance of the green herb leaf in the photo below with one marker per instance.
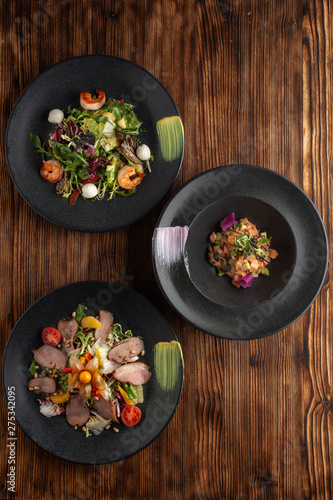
(62, 381)
(80, 312)
(32, 368)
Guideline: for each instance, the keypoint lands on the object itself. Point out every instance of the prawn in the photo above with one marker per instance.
(51, 171)
(124, 177)
(87, 101)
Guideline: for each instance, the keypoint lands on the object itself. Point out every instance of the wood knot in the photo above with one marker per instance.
(225, 8)
(292, 25)
(266, 481)
(327, 404)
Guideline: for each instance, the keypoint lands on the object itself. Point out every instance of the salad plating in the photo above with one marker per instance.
(240, 250)
(91, 371)
(94, 149)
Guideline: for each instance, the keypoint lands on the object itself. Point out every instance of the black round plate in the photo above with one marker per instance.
(55, 435)
(59, 87)
(211, 303)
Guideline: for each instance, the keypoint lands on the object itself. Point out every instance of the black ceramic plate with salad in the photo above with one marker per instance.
(68, 398)
(189, 238)
(111, 138)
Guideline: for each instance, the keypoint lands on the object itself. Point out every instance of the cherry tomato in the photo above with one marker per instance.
(97, 392)
(85, 377)
(131, 415)
(51, 336)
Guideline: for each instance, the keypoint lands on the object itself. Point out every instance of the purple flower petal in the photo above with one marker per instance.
(228, 222)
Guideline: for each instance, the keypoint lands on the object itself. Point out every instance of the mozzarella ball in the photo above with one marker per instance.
(89, 190)
(143, 152)
(56, 116)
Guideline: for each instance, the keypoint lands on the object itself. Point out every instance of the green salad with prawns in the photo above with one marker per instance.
(94, 149)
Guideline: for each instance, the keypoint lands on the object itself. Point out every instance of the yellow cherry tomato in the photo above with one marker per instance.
(85, 377)
(60, 397)
(90, 322)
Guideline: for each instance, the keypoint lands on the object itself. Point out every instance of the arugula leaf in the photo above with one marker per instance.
(62, 381)
(37, 143)
(80, 312)
(35, 140)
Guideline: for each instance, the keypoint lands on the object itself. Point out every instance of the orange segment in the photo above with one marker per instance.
(59, 398)
(90, 322)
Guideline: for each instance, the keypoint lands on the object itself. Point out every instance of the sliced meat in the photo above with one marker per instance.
(50, 357)
(106, 409)
(106, 321)
(68, 329)
(45, 384)
(77, 412)
(135, 373)
(126, 349)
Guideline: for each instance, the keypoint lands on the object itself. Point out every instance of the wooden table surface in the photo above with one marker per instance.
(253, 83)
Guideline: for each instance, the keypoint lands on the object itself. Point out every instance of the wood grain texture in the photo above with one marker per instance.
(252, 80)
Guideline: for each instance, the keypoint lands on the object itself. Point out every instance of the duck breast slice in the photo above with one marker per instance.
(106, 409)
(106, 321)
(136, 373)
(68, 329)
(50, 357)
(77, 411)
(126, 349)
(45, 384)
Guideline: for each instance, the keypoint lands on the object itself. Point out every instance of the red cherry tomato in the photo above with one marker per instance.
(51, 336)
(131, 415)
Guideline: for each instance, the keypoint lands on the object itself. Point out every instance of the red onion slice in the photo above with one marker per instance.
(246, 280)
(228, 222)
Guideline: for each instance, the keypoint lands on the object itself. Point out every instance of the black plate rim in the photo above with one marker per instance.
(188, 320)
(59, 63)
(181, 374)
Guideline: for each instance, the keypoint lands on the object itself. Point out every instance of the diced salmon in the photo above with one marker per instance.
(273, 253)
(254, 265)
(212, 238)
